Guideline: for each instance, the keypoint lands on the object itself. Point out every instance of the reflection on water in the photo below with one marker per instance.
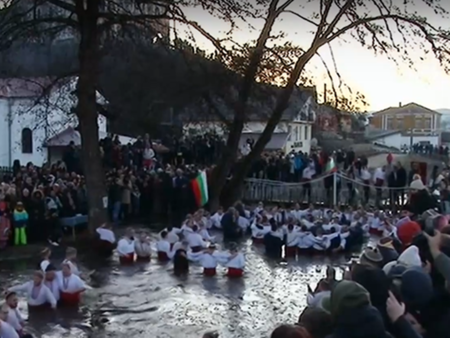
(149, 301)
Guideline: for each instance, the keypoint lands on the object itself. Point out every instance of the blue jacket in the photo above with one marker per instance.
(20, 218)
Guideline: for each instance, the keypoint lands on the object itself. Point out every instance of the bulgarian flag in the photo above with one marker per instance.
(200, 188)
(331, 166)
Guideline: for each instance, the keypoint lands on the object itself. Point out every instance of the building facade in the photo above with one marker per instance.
(26, 125)
(408, 117)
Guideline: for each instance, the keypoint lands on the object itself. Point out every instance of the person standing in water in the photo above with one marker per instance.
(37, 293)
(12, 314)
(142, 247)
(125, 247)
(6, 330)
(45, 259)
(71, 286)
(180, 263)
(235, 263)
(106, 239)
(51, 281)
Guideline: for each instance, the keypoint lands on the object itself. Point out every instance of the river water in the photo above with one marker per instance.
(149, 301)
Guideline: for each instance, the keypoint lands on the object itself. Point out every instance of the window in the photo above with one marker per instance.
(418, 122)
(296, 133)
(389, 123)
(27, 141)
(289, 133)
(300, 133)
(400, 124)
(427, 122)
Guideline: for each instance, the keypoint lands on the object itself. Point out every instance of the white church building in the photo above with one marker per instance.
(36, 116)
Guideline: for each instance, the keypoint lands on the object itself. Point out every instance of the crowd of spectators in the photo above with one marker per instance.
(388, 294)
(145, 180)
(148, 180)
(426, 149)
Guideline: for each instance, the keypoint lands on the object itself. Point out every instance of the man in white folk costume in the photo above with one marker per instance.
(45, 259)
(125, 247)
(142, 247)
(208, 258)
(38, 295)
(292, 238)
(6, 329)
(71, 286)
(71, 256)
(172, 235)
(164, 248)
(51, 281)
(12, 315)
(195, 240)
(106, 239)
(235, 262)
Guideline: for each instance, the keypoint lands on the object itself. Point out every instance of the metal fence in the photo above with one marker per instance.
(334, 189)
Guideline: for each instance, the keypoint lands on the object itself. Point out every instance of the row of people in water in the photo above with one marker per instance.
(133, 248)
(375, 220)
(48, 289)
(335, 233)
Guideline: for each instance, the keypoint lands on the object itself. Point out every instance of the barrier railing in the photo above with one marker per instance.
(333, 189)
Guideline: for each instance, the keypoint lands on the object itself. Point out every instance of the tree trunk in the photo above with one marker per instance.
(236, 184)
(229, 156)
(88, 116)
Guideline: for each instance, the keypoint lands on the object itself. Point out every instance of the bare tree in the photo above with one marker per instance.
(93, 22)
(382, 26)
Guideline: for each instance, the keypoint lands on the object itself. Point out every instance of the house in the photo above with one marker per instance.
(419, 119)
(399, 139)
(293, 133)
(28, 118)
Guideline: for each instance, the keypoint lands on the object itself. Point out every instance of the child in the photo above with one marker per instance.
(20, 217)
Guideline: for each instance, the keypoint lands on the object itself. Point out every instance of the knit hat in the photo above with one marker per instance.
(407, 231)
(346, 295)
(417, 185)
(416, 287)
(410, 257)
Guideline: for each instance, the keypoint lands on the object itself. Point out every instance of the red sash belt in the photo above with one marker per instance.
(258, 240)
(210, 272)
(196, 249)
(162, 256)
(290, 251)
(235, 273)
(128, 259)
(71, 299)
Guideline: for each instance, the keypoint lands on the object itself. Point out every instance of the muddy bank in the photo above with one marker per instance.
(148, 301)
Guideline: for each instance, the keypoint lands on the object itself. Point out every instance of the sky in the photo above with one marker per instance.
(383, 83)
